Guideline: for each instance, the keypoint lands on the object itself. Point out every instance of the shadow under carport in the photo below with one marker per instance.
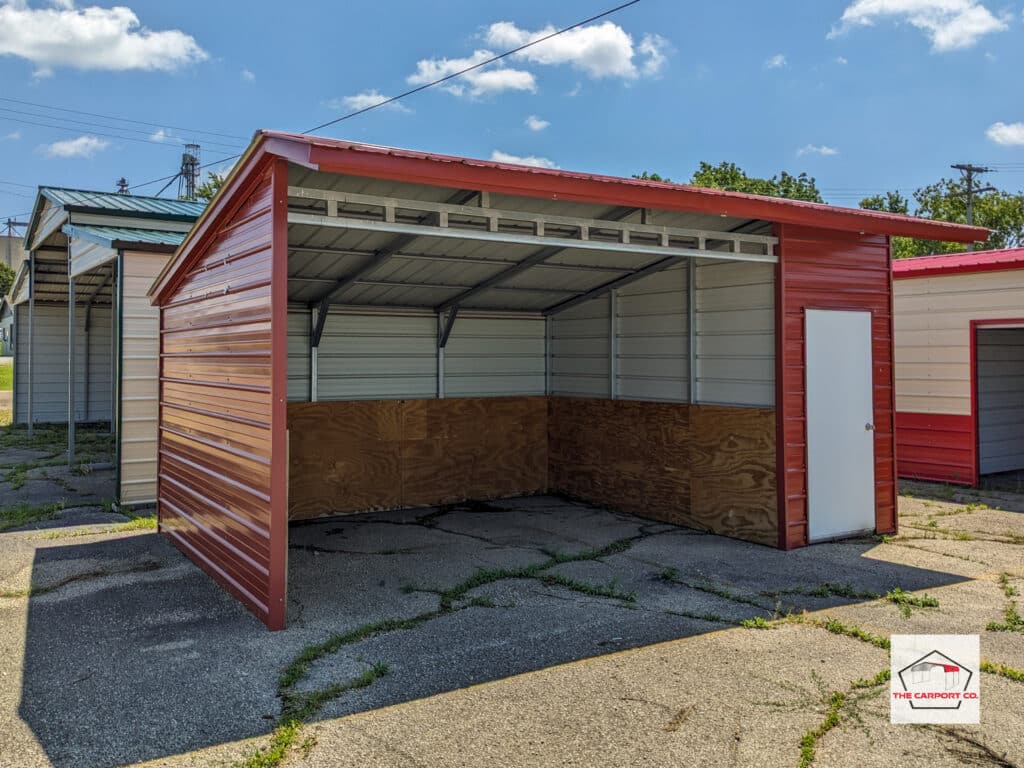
(138, 655)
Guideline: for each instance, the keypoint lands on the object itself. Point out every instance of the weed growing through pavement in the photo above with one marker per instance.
(908, 601)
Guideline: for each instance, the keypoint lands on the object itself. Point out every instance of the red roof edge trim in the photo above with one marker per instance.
(959, 263)
(337, 156)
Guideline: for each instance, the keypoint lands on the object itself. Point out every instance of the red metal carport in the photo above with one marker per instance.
(306, 226)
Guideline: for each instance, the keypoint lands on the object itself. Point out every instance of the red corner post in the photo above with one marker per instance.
(278, 593)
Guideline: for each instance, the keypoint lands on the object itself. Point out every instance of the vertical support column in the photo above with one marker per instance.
(440, 358)
(548, 320)
(85, 363)
(31, 336)
(314, 354)
(115, 344)
(613, 346)
(71, 369)
(691, 324)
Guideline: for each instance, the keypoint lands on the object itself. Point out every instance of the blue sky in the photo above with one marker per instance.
(862, 94)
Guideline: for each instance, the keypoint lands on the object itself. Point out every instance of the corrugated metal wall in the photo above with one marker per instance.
(735, 324)
(488, 357)
(222, 402)
(50, 375)
(379, 356)
(1000, 399)
(140, 368)
(933, 334)
(653, 361)
(828, 269)
(580, 349)
(298, 355)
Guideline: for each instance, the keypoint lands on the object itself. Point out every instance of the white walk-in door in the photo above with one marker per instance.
(840, 428)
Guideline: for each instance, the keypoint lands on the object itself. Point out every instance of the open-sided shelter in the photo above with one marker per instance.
(352, 327)
(960, 365)
(91, 258)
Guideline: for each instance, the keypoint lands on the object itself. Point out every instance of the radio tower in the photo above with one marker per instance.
(188, 176)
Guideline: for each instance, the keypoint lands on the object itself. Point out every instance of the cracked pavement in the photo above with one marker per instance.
(130, 654)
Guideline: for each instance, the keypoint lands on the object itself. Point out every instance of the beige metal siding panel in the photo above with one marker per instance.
(652, 336)
(735, 332)
(580, 347)
(100, 386)
(86, 255)
(139, 379)
(933, 341)
(377, 357)
(50, 371)
(1000, 399)
(493, 357)
(298, 355)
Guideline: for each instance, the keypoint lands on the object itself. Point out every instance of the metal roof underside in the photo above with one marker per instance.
(51, 283)
(354, 267)
(126, 236)
(133, 204)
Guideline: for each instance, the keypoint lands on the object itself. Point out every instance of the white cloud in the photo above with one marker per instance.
(599, 50)
(83, 146)
(948, 24)
(575, 91)
(481, 81)
(248, 75)
(537, 162)
(12, 136)
(90, 38)
(535, 123)
(778, 61)
(364, 100)
(162, 136)
(1007, 134)
(815, 149)
(842, 61)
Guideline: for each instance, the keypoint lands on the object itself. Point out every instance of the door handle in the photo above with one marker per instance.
(869, 427)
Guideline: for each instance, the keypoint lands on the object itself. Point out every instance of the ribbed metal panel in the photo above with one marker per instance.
(735, 323)
(1000, 371)
(298, 355)
(50, 376)
(489, 357)
(377, 357)
(652, 324)
(580, 349)
(217, 411)
(828, 269)
(111, 201)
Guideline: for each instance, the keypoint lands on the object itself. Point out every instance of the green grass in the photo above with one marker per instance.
(836, 627)
(147, 523)
(6, 376)
(23, 514)
(1003, 671)
(828, 589)
(880, 679)
(1012, 621)
(809, 741)
(303, 706)
(907, 601)
(758, 622)
(671, 575)
(1008, 589)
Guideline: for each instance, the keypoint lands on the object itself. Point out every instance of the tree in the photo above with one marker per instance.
(730, 177)
(6, 279)
(210, 187)
(645, 176)
(999, 211)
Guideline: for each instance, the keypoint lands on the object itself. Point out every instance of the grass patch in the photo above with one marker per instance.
(1003, 671)
(1012, 621)
(712, 618)
(6, 376)
(907, 601)
(303, 706)
(837, 627)
(671, 575)
(17, 476)
(281, 742)
(594, 590)
(828, 589)
(1008, 589)
(758, 622)
(23, 514)
(871, 682)
(809, 741)
(146, 523)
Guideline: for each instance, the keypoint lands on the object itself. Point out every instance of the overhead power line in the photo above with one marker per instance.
(423, 87)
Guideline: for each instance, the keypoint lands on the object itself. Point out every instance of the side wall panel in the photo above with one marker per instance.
(1000, 399)
(219, 404)
(488, 357)
(580, 344)
(140, 367)
(825, 269)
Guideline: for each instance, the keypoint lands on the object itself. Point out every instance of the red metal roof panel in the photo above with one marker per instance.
(954, 263)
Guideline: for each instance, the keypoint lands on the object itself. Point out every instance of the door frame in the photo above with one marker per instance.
(874, 447)
(976, 325)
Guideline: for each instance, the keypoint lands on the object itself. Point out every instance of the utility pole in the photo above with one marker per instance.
(967, 171)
